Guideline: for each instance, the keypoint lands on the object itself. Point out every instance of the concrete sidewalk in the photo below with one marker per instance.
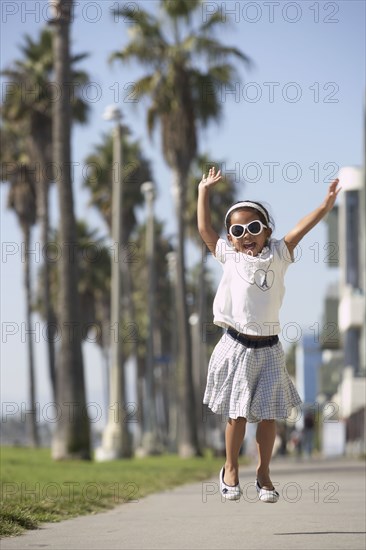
(321, 506)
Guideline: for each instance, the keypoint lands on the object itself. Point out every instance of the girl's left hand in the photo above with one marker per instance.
(332, 194)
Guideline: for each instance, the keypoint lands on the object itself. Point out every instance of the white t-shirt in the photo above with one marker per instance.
(251, 290)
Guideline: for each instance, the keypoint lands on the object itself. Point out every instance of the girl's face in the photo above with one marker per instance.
(247, 243)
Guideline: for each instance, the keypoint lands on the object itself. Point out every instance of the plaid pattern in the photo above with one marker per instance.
(249, 382)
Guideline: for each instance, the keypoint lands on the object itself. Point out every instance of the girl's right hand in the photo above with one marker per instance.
(211, 179)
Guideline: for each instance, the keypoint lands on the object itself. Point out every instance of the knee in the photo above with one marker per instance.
(239, 420)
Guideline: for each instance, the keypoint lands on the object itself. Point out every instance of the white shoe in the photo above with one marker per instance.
(230, 492)
(266, 495)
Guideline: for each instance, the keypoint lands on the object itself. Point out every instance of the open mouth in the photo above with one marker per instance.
(249, 247)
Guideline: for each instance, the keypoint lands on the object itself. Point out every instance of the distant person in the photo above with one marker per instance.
(295, 443)
(308, 434)
(247, 380)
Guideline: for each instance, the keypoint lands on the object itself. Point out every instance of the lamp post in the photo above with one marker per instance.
(149, 439)
(171, 258)
(116, 441)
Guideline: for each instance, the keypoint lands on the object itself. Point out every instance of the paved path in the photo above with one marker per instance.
(322, 506)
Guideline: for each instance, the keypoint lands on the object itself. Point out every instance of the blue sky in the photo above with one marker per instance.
(292, 121)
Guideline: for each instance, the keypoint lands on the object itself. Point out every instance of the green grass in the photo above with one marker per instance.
(36, 489)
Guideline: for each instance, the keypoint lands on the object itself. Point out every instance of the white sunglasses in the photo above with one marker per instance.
(255, 227)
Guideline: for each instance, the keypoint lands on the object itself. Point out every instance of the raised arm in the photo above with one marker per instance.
(306, 224)
(208, 234)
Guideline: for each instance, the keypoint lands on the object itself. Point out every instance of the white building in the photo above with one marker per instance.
(352, 242)
(350, 398)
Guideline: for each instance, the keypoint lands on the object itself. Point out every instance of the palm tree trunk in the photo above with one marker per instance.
(127, 278)
(72, 434)
(32, 414)
(49, 313)
(43, 216)
(105, 319)
(202, 352)
(172, 394)
(187, 426)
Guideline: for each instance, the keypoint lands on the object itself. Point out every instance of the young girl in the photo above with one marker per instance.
(247, 379)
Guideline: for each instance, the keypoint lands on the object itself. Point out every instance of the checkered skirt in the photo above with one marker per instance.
(249, 382)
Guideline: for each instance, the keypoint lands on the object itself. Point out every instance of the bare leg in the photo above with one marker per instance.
(234, 435)
(266, 434)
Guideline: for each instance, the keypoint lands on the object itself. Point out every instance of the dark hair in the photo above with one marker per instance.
(260, 215)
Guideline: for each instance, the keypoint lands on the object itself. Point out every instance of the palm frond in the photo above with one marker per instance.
(29, 92)
(182, 94)
(206, 94)
(79, 57)
(180, 8)
(214, 50)
(213, 20)
(136, 170)
(145, 51)
(223, 73)
(146, 40)
(146, 85)
(139, 19)
(152, 117)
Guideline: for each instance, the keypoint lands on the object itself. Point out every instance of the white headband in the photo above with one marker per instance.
(247, 204)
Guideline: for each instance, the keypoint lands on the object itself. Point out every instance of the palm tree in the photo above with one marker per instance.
(162, 330)
(94, 288)
(183, 96)
(135, 171)
(71, 438)
(22, 199)
(29, 100)
(94, 262)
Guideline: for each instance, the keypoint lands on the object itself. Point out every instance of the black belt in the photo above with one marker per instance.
(250, 342)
